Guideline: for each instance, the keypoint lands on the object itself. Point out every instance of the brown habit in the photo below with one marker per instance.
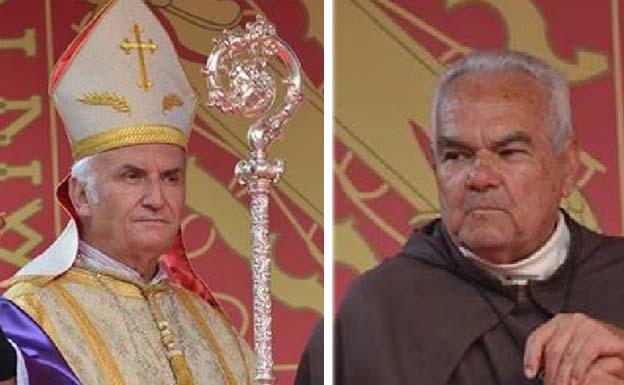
(430, 317)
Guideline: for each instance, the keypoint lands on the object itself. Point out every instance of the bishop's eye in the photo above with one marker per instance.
(132, 176)
(173, 178)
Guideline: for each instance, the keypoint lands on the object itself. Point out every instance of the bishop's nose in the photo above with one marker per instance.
(153, 196)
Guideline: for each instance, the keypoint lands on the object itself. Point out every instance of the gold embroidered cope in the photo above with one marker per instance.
(113, 331)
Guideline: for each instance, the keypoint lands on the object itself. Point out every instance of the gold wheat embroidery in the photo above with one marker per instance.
(117, 102)
(170, 101)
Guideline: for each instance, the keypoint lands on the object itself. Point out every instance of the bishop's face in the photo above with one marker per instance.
(141, 191)
(499, 176)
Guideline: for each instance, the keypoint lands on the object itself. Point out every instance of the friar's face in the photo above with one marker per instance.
(140, 196)
(499, 176)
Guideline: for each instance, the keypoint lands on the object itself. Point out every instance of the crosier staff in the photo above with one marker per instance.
(239, 83)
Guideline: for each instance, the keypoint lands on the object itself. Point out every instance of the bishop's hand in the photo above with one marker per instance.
(574, 349)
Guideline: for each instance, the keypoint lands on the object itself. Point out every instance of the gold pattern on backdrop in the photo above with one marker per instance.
(191, 28)
(576, 204)
(315, 19)
(351, 249)
(31, 109)
(201, 250)
(26, 42)
(359, 198)
(527, 31)
(384, 140)
(240, 307)
(214, 15)
(140, 46)
(31, 171)
(16, 222)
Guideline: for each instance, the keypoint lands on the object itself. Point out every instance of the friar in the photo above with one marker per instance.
(505, 287)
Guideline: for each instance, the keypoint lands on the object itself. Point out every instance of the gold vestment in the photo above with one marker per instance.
(116, 331)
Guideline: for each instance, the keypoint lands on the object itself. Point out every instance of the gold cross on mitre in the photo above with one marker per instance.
(140, 46)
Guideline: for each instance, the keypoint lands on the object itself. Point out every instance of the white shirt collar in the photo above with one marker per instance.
(539, 266)
(97, 260)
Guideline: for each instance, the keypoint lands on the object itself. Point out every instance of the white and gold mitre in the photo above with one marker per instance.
(120, 83)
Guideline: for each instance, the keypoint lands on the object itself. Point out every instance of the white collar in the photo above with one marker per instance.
(96, 259)
(540, 266)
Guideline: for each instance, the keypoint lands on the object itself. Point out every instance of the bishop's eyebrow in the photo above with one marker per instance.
(130, 167)
(172, 171)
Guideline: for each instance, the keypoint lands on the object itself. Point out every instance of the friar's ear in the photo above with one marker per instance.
(79, 198)
(570, 159)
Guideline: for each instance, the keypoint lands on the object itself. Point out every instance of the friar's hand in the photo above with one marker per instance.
(566, 348)
(605, 371)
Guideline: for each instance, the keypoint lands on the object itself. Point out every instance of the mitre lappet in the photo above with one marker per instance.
(119, 83)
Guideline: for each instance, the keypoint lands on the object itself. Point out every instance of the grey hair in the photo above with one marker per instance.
(82, 170)
(559, 117)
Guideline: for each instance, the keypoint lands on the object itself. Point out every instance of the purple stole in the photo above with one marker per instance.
(44, 362)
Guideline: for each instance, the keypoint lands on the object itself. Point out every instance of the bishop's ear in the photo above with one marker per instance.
(79, 197)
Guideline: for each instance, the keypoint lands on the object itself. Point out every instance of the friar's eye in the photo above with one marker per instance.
(510, 151)
(452, 155)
